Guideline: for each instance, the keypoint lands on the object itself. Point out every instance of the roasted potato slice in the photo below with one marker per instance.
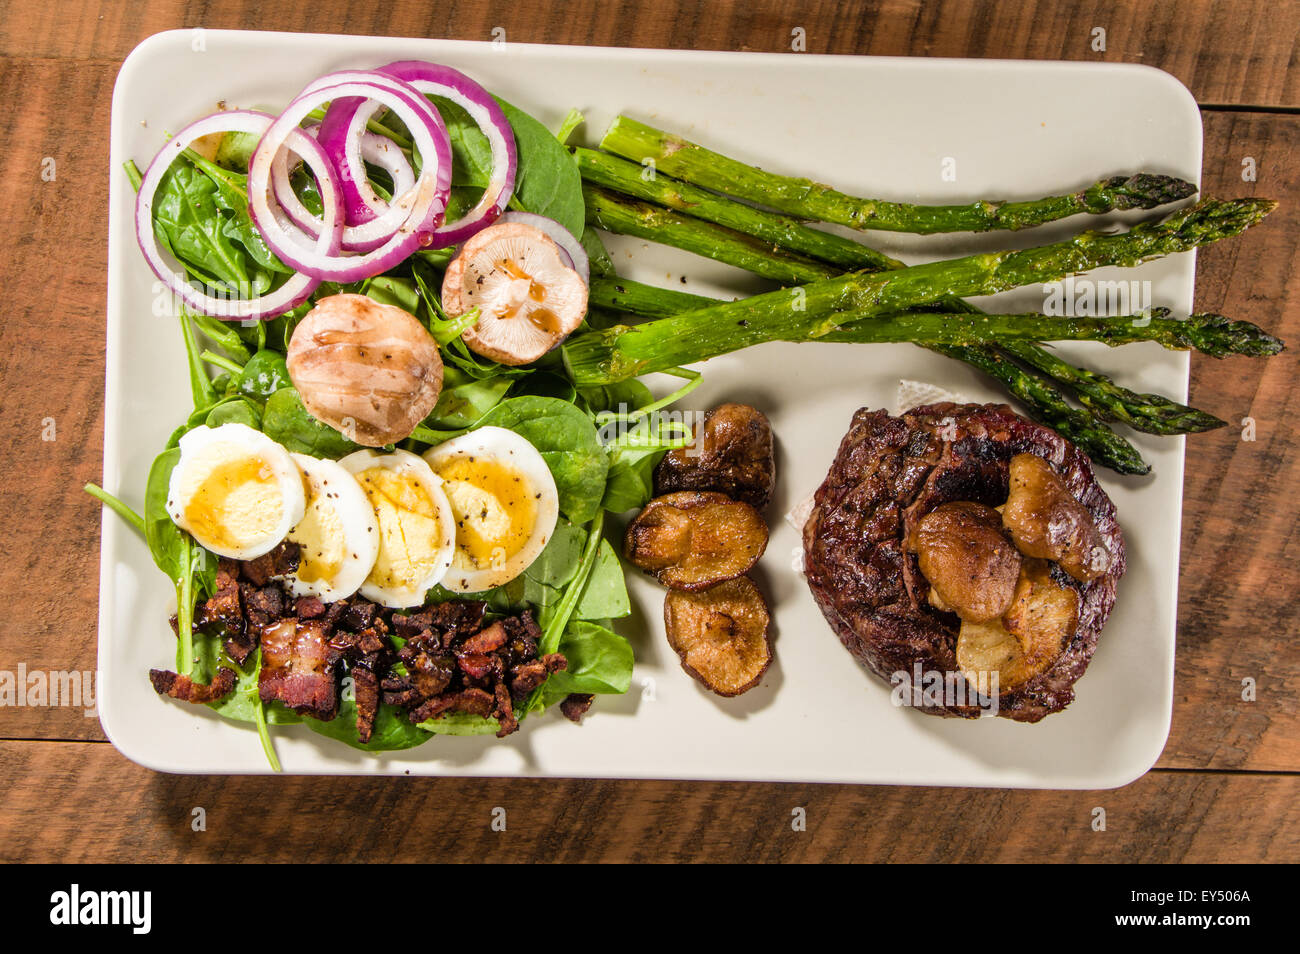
(731, 454)
(720, 635)
(971, 566)
(1047, 522)
(1028, 639)
(691, 540)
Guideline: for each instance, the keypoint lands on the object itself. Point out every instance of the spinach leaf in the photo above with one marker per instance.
(287, 422)
(471, 153)
(392, 729)
(167, 542)
(622, 396)
(389, 290)
(462, 723)
(600, 661)
(185, 209)
(557, 563)
(232, 197)
(605, 595)
(263, 375)
(235, 411)
(631, 478)
(240, 704)
(465, 399)
(546, 384)
(547, 182)
(567, 441)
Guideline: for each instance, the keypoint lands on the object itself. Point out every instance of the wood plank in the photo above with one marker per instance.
(1167, 817)
(1226, 52)
(1240, 569)
(52, 375)
(1239, 562)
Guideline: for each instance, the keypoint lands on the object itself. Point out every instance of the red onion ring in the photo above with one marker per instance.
(437, 80)
(561, 236)
(412, 217)
(294, 291)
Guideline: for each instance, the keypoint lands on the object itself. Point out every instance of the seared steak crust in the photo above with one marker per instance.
(888, 474)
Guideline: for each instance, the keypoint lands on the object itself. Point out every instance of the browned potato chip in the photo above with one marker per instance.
(732, 454)
(720, 635)
(691, 541)
(1047, 522)
(971, 566)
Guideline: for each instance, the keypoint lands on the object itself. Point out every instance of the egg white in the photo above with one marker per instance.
(338, 519)
(236, 491)
(479, 512)
(434, 549)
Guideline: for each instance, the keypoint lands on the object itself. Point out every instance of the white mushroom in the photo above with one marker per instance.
(371, 371)
(528, 296)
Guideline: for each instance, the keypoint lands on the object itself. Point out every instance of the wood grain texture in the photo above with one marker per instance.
(1238, 616)
(1239, 575)
(109, 809)
(1225, 51)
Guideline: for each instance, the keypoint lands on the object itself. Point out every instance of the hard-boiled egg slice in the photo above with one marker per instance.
(235, 490)
(417, 532)
(338, 535)
(504, 500)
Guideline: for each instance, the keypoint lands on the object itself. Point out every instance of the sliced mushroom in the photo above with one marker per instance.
(693, 540)
(370, 371)
(1027, 639)
(720, 635)
(528, 296)
(730, 453)
(971, 566)
(1046, 521)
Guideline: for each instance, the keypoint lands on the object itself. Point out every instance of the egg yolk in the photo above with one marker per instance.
(494, 507)
(238, 502)
(410, 534)
(319, 534)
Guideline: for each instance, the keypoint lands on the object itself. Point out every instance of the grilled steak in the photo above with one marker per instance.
(888, 474)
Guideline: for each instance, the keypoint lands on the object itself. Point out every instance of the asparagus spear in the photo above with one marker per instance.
(1095, 439)
(1150, 413)
(682, 159)
(1045, 404)
(1108, 400)
(817, 309)
(623, 294)
(628, 216)
(781, 231)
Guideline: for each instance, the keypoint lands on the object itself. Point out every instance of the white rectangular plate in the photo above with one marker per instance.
(873, 126)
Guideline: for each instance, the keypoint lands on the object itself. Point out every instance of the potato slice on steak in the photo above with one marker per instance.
(970, 564)
(693, 540)
(732, 454)
(1047, 522)
(1025, 641)
(720, 635)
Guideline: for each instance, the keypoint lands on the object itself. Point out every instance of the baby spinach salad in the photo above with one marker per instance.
(598, 444)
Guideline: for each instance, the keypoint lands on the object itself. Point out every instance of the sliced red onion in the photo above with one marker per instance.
(387, 155)
(436, 80)
(411, 219)
(561, 236)
(375, 149)
(294, 291)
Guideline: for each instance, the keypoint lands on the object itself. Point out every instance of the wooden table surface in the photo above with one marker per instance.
(1226, 787)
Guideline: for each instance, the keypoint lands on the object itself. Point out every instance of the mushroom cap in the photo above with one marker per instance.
(371, 371)
(529, 297)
